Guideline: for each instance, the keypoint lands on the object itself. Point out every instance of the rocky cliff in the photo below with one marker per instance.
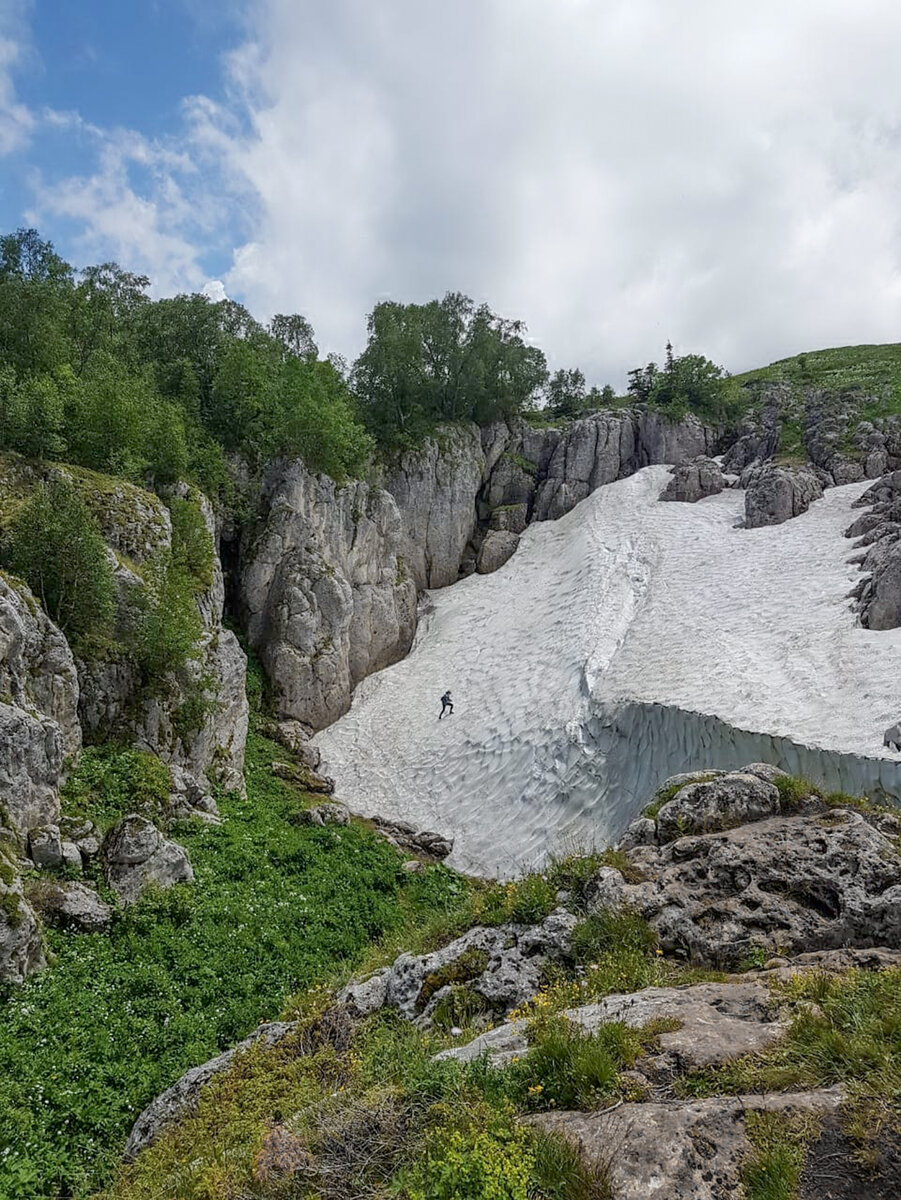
(329, 574)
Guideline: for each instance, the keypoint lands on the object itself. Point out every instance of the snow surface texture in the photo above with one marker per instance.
(623, 643)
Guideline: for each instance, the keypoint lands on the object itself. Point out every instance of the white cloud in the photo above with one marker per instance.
(16, 122)
(614, 172)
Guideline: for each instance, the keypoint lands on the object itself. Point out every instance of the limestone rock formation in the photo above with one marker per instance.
(113, 703)
(716, 1022)
(502, 966)
(181, 1097)
(776, 494)
(136, 855)
(694, 480)
(327, 596)
(435, 488)
(695, 1149)
(324, 814)
(878, 595)
(787, 884)
(21, 947)
(716, 804)
(70, 905)
(419, 841)
(38, 710)
(498, 547)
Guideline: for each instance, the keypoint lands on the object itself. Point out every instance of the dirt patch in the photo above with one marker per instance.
(832, 1172)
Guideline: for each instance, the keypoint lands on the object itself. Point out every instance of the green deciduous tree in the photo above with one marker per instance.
(448, 360)
(54, 544)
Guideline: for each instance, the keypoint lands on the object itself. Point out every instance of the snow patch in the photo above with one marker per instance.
(622, 643)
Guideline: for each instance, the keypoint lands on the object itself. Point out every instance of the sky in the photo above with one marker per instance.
(613, 172)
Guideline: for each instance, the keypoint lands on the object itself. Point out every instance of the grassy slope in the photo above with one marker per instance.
(275, 908)
(875, 370)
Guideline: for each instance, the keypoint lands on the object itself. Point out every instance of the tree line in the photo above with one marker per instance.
(95, 372)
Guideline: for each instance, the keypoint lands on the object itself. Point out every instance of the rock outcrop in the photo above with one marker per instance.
(498, 547)
(113, 703)
(21, 946)
(776, 494)
(502, 967)
(38, 710)
(694, 480)
(878, 596)
(822, 879)
(325, 591)
(435, 488)
(695, 1149)
(70, 905)
(137, 856)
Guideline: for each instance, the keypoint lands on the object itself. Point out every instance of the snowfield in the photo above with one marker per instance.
(629, 640)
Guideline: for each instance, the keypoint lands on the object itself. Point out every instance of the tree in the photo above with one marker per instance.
(55, 545)
(447, 360)
(295, 334)
(566, 393)
(690, 383)
(35, 292)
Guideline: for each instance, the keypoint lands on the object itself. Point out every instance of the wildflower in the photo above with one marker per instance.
(535, 1089)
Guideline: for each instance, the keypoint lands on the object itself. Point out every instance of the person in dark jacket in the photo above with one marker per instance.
(446, 704)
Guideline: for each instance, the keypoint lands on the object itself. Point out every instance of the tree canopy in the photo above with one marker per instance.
(687, 383)
(448, 360)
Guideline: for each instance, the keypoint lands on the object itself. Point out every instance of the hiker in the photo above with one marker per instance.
(446, 703)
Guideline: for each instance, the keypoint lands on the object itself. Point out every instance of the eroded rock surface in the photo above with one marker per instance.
(326, 592)
(787, 884)
(38, 710)
(70, 905)
(181, 1097)
(878, 596)
(501, 965)
(695, 1149)
(776, 494)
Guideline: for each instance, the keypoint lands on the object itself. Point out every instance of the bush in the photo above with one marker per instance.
(168, 625)
(192, 544)
(54, 544)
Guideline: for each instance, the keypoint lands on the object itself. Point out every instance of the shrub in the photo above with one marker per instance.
(192, 545)
(54, 544)
(169, 625)
(567, 1068)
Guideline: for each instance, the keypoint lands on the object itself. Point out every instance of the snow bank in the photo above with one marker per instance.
(624, 642)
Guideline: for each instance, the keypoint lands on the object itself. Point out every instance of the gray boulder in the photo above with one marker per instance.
(136, 856)
(497, 549)
(692, 481)
(178, 1100)
(70, 905)
(786, 884)
(503, 966)
(717, 804)
(693, 1149)
(776, 494)
(324, 814)
(45, 847)
(408, 837)
(892, 737)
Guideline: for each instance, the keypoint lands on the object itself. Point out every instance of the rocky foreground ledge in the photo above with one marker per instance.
(775, 900)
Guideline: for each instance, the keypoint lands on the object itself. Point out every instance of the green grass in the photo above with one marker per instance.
(773, 1171)
(117, 1017)
(872, 370)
